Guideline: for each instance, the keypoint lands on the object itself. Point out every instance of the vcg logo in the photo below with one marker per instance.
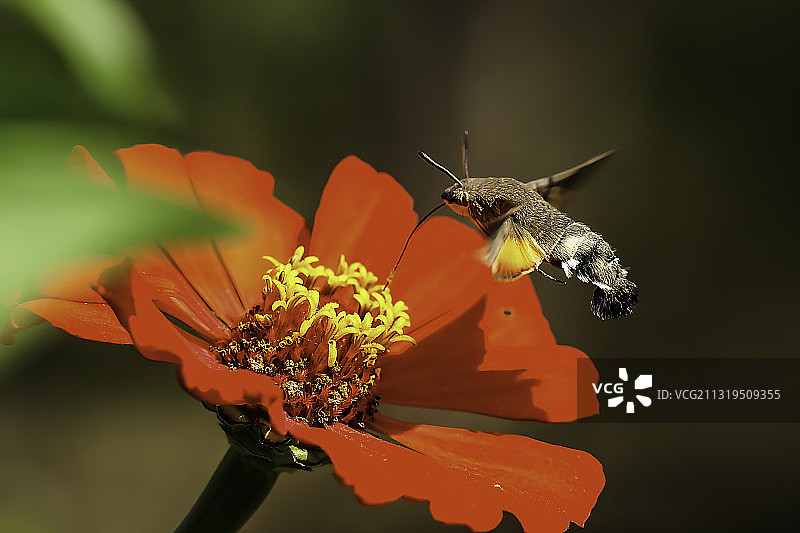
(617, 390)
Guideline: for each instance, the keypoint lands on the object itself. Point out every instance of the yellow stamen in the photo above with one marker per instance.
(320, 334)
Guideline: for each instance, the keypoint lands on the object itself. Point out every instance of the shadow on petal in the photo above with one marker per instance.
(444, 371)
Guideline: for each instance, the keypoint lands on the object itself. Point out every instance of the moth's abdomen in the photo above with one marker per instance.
(617, 302)
(587, 255)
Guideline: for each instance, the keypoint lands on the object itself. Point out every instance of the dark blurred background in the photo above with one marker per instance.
(699, 99)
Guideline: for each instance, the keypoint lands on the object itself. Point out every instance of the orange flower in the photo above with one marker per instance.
(317, 343)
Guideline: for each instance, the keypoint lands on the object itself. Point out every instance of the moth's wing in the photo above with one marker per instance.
(512, 252)
(554, 188)
(487, 222)
(476, 215)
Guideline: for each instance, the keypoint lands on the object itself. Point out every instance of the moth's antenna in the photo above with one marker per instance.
(464, 159)
(437, 166)
(423, 219)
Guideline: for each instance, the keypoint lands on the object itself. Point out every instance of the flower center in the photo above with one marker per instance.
(318, 334)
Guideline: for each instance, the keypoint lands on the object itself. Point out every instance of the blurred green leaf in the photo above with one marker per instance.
(107, 49)
(48, 218)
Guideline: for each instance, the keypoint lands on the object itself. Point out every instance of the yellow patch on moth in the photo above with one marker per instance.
(518, 255)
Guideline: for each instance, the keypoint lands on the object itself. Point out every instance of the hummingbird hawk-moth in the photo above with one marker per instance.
(526, 228)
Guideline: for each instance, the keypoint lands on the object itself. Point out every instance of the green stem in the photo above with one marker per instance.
(234, 492)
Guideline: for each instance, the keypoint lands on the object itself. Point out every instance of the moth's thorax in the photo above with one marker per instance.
(485, 200)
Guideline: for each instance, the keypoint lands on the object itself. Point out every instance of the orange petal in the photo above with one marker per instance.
(365, 215)
(199, 262)
(439, 277)
(498, 358)
(468, 477)
(545, 486)
(18, 320)
(518, 336)
(91, 321)
(69, 298)
(158, 170)
(229, 182)
(202, 376)
(234, 188)
(176, 298)
(129, 291)
(82, 164)
(75, 280)
(163, 171)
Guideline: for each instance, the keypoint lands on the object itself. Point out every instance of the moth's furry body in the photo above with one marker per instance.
(525, 230)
